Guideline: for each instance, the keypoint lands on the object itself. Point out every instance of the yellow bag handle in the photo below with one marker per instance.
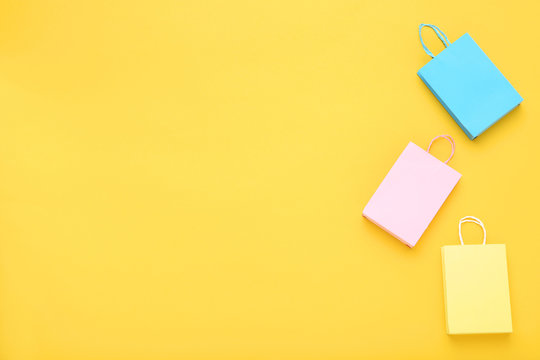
(471, 219)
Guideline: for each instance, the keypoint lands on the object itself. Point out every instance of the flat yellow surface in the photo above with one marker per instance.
(185, 179)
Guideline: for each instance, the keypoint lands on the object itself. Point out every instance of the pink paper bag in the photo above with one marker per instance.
(411, 193)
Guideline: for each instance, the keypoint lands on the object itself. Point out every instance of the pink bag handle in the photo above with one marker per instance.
(450, 139)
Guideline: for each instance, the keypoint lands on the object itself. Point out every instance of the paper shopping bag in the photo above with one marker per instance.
(467, 83)
(475, 279)
(411, 193)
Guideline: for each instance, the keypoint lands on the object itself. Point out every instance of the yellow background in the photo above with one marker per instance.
(185, 179)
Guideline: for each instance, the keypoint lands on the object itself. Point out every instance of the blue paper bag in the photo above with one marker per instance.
(468, 84)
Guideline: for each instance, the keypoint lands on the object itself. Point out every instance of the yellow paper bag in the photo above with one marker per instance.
(475, 279)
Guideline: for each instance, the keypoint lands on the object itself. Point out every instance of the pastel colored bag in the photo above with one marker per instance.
(467, 84)
(412, 192)
(476, 293)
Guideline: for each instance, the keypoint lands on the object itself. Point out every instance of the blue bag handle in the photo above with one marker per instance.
(439, 33)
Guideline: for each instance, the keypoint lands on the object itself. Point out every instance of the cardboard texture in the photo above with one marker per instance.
(469, 86)
(411, 194)
(476, 291)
